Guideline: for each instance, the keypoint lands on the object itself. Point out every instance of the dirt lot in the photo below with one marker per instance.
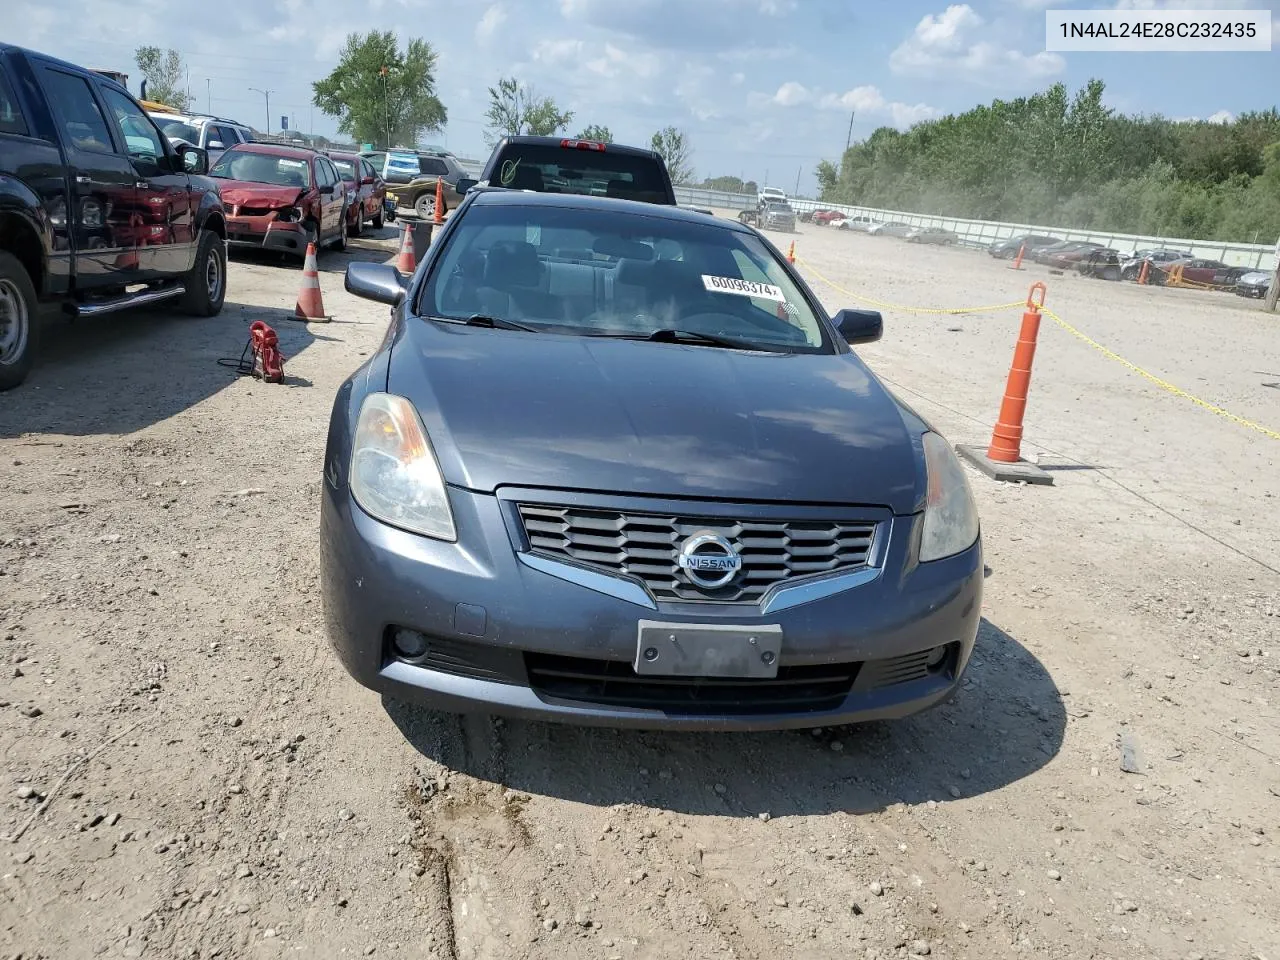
(214, 784)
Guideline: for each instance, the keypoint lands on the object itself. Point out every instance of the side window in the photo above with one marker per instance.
(10, 116)
(432, 166)
(78, 113)
(368, 169)
(224, 135)
(379, 163)
(142, 140)
(325, 175)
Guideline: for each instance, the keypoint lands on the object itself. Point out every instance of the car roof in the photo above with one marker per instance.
(500, 196)
(276, 150)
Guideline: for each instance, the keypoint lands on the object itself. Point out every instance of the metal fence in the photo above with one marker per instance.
(985, 232)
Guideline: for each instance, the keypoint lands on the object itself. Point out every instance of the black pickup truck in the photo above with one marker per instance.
(98, 211)
(565, 165)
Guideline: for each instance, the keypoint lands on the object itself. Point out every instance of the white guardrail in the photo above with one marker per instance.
(982, 233)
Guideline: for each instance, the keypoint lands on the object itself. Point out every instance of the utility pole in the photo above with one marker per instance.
(849, 139)
(267, 95)
(797, 190)
(208, 96)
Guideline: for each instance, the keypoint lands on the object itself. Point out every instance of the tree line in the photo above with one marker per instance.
(1068, 161)
(386, 96)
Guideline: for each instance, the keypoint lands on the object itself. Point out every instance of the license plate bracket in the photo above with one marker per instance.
(707, 650)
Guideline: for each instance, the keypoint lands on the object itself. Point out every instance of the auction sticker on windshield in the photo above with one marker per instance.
(743, 288)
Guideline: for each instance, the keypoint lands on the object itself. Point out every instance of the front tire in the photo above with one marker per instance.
(206, 282)
(378, 218)
(340, 241)
(19, 322)
(424, 205)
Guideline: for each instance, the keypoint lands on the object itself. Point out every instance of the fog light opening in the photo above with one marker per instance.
(937, 658)
(409, 645)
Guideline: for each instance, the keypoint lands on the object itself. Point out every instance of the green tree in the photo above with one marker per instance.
(165, 74)
(594, 131)
(672, 145)
(1058, 158)
(381, 95)
(516, 109)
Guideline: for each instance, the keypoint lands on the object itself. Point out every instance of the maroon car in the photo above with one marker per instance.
(824, 217)
(366, 191)
(281, 198)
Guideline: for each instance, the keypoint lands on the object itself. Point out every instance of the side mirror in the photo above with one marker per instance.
(464, 184)
(194, 159)
(859, 326)
(366, 181)
(380, 282)
(216, 145)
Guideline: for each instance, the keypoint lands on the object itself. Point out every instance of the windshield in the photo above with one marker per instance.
(262, 168)
(345, 168)
(595, 272)
(177, 130)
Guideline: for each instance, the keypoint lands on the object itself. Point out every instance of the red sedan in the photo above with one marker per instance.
(366, 191)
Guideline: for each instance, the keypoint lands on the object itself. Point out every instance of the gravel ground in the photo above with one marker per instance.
(188, 772)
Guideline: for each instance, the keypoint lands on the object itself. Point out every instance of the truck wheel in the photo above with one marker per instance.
(340, 241)
(378, 218)
(206, 282)
(424, 205)
(19, 323)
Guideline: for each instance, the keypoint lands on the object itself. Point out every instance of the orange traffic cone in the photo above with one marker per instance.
(791, 253)
(406, 262)
(1017, 262)
(1002, 460)
(310, 305)
(439, 201)
(1142, 274)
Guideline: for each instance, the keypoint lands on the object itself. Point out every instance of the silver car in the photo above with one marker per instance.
(778, 216)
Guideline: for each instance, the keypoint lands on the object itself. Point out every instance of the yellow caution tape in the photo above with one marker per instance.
(1106, 352)
(1162, 384)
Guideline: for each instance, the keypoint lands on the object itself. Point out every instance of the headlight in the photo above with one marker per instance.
(394, 473)
(950, 516)
(290, 214)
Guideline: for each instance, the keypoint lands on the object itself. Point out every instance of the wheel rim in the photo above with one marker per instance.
(426, 206)
(213, 276)
(13, 323)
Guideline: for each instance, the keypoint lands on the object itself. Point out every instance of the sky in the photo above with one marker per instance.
(763, 89)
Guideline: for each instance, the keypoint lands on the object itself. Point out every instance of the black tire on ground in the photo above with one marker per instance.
(340, 241)
(19, 321)
(378, 218)
(313, 237)
(357, 228)
(206, 282)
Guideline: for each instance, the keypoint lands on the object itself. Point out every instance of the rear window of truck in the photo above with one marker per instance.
(555, 169)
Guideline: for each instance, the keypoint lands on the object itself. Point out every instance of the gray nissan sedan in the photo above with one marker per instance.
(614, 464)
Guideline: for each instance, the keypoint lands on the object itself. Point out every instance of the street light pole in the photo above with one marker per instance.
(267, 96)
(208, 95)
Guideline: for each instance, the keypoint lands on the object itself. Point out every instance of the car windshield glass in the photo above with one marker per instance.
(550, 168)
(261, 168)
(345, 169)
(606, 273)
(177, 130)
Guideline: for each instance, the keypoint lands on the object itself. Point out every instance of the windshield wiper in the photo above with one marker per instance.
(666, 335)
(493, 323)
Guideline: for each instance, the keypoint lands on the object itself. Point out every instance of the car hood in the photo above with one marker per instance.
(580, 413)
(239, 193)
(1255, 277)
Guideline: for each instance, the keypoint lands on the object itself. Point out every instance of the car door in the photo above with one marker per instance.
(166, 236)
(103, 197)
(331, 197)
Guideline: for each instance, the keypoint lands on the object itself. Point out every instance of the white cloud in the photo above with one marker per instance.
(737, 78)
(791, 94)
(954, 44)
(493, 18)
(868, 100)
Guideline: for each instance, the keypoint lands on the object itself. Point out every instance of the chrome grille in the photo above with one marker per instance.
(646, 546)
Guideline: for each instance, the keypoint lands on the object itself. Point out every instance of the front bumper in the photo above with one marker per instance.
(266, 233)
(505, 633)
